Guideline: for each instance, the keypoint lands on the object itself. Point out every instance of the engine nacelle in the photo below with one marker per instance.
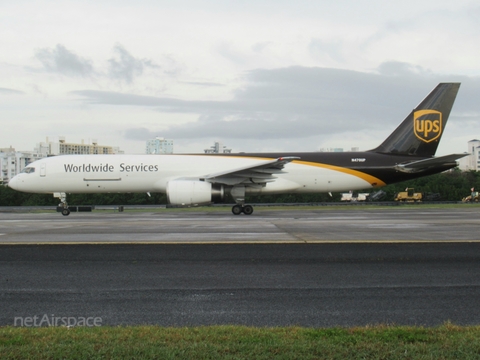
(190, 192)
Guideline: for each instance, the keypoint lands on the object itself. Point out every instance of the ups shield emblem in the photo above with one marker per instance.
(427, 125)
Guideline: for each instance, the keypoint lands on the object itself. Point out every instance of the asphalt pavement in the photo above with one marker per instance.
(311, 276)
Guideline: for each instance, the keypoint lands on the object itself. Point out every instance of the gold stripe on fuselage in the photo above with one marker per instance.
(372, 180)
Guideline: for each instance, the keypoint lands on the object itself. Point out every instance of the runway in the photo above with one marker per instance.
(265, 226)
(281, 268)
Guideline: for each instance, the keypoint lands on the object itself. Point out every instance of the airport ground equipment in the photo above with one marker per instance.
(409, 195)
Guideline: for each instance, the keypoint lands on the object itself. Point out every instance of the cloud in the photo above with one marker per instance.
(239, 127)
(172, 67)
(229, 52)
(62, 61)
(140, 134)
(326, 50)
(297, 102)
(204, 83)
(261, 46)
(6, 91)
(126, 67)
(123, 67)
(397, 68)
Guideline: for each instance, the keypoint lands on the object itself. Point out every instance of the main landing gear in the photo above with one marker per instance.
(246, 209)
(238, 194)
(63, 204)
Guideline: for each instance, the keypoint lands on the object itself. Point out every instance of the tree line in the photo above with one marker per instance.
(452, 186)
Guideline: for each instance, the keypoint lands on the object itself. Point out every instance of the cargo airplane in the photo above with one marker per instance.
(194, 179)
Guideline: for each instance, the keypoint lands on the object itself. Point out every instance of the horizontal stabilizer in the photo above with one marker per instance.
(422, 165)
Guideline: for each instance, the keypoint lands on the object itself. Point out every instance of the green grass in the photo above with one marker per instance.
(237, 342)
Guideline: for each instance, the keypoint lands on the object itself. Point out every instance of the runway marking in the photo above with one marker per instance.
(247, 242)
(397, 226)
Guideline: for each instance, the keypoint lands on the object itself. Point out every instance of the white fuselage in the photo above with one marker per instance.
(151, 173)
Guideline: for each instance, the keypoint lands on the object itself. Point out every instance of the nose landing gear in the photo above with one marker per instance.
(63, 204)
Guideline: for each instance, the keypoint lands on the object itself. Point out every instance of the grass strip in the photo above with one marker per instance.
(238, 342)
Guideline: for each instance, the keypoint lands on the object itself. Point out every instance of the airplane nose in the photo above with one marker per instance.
(14, 183)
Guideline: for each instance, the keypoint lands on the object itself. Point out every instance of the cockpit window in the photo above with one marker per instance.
(28, 170)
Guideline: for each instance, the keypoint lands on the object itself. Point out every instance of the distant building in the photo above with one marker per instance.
(62, 147)
(353, 149)
(159, 145)
(471, 162)
(331, 150)
(218, 148)
(13, 162)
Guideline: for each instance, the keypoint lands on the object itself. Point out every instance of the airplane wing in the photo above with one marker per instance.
(257, 175)
(422, 165)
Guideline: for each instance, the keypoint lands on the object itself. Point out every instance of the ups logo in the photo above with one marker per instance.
(427, 125)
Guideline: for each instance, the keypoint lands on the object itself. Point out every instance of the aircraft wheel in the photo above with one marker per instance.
(237, 210)
(248, 209)
(65, 212)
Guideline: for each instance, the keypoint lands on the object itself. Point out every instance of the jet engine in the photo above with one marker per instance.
(190, 192)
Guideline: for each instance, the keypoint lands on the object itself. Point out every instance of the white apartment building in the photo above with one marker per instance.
(159, 145)
(12, 162)
(471, 162)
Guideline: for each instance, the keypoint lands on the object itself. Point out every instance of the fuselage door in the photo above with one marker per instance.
(43, 169)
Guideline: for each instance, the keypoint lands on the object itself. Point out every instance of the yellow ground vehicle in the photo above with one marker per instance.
(409, 195)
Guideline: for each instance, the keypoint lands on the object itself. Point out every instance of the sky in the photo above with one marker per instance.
(255, 75)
